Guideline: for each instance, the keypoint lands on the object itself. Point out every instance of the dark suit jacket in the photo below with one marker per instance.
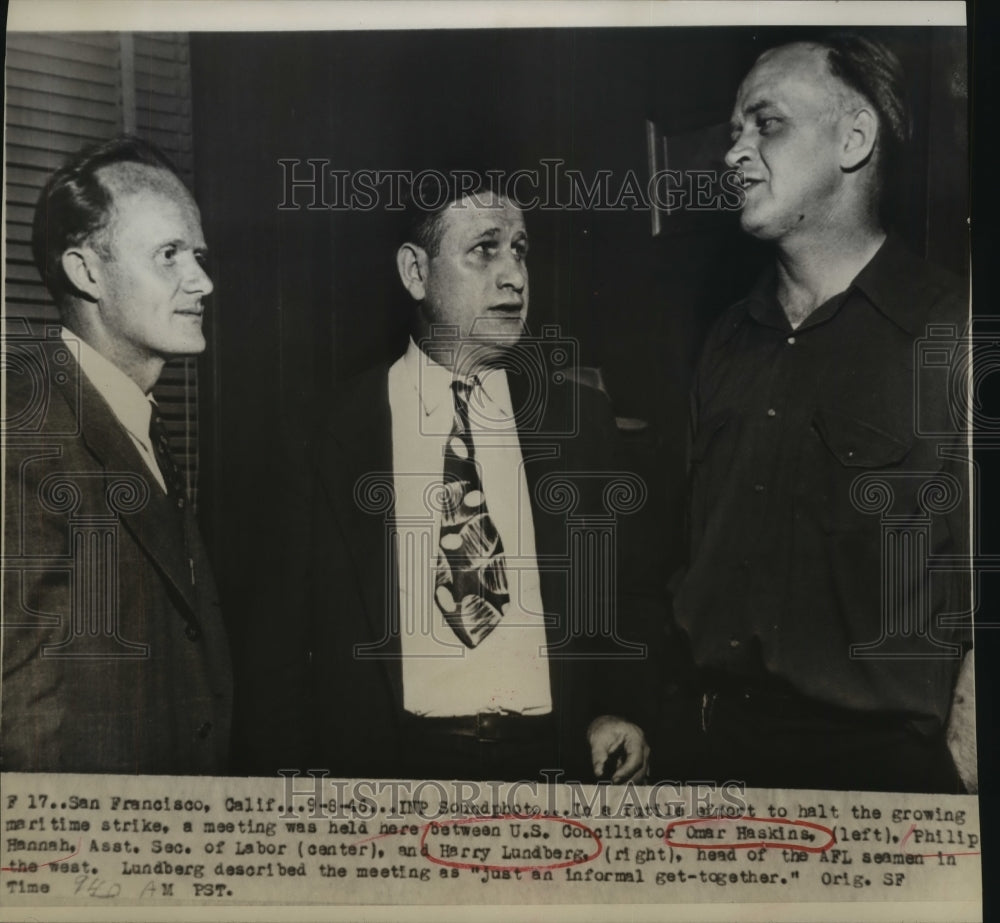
(114, 654)
(314, 702)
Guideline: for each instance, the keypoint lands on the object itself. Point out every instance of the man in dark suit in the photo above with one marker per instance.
(448, 630)
(114, 654)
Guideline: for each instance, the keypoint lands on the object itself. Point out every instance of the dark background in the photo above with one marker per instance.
(306, 298)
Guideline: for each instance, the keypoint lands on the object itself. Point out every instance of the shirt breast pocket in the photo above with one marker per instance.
(847, 446)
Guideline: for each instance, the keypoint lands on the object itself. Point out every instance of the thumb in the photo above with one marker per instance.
(602, 748)
(599, 753)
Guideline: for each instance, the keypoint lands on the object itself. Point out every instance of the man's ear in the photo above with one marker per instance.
(411, 261)
(862, 129)
(80, 266)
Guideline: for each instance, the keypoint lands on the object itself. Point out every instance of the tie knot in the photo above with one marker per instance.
(463, 387)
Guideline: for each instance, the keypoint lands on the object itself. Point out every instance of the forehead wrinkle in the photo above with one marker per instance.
(495, 231)
(491, 219)
(486, 206)
(739, 114)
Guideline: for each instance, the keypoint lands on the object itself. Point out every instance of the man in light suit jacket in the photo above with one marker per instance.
(114, 653)
(468, 459)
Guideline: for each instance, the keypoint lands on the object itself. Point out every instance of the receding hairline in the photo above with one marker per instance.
(841, 93)
(130, 178)
(126, 179)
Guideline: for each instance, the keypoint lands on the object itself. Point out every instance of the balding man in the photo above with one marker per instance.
(825, 656)
(114, 654)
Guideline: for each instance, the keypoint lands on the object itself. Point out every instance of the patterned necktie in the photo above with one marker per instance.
(471, 580)
(160, 441)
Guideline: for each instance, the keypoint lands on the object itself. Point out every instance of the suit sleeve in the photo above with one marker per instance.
(629, 683)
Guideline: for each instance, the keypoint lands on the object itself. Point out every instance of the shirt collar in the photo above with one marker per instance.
(432, 382)
(893, 287)
(762, 302)
(887, 281)
(430, 379)
(125, 398)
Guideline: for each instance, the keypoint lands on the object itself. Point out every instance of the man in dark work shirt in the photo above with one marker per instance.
(830, 651)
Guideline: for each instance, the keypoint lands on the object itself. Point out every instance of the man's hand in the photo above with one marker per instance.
(609, 735)
(962, 725)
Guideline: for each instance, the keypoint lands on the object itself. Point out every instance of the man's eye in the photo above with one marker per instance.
(521, 251)
(202, 257)
(767, 125)
(487, 247)
(169, 254)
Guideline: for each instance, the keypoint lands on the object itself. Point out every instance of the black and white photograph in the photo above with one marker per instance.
(573, 414)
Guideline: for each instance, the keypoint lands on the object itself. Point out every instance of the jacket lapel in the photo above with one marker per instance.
(358, 445)
(154, 525)
(542, 450)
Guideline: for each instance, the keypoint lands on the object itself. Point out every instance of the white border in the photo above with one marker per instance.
(292, 15)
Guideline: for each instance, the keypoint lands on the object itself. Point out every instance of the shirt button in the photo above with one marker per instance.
(771, 412)
(733, 642)
(192, 633)
(791, 341)
(759, 488)
(205, 730)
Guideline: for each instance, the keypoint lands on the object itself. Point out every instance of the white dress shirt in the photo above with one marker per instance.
(131, 407)
(508, 670)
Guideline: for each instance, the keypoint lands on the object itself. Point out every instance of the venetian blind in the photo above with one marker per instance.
(66, 90)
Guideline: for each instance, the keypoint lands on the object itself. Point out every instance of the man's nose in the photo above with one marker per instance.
(738, 154)
(512, 273)
(197, 279)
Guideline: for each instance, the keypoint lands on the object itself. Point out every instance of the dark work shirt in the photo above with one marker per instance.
(828, 482)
